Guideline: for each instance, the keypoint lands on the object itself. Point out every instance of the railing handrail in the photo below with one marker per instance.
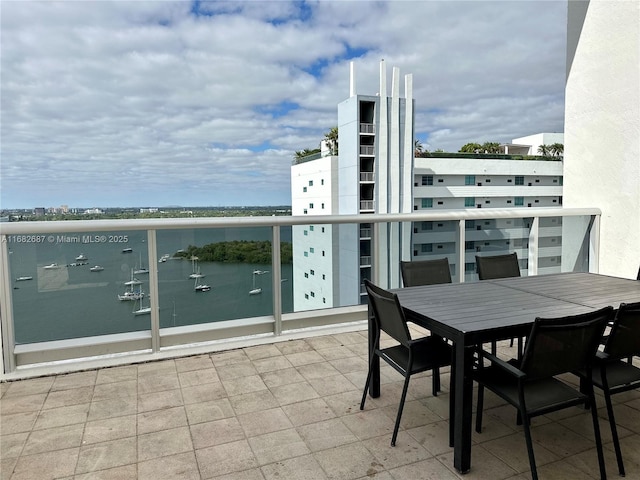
(26, 228)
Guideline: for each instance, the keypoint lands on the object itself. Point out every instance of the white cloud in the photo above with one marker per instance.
(146, 103)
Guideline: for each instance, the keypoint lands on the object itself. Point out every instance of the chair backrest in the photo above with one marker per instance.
(497, 266)
(624, 337)
(565, 344)
(388, 313)
(425, 272)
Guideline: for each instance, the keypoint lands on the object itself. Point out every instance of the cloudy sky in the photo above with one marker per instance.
(157, 103)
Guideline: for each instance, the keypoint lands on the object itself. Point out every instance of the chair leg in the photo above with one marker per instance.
(479, 408)
(614, 434)
(596, 432)
(401, 406)
(527, 436)
(367, 382)
(435, 379)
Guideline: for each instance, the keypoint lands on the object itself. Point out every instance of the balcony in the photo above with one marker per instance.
(283, 387)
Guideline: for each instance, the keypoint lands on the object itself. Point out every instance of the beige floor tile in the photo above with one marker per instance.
(300, 468)
(323, 341)
(157, 420)
(58, 417)
(119, 389)
(126, 472)
(164, 443)
(47, 465)
(304, 358)
(241, 385)
(64, 398)
(308, 411)
(272, 364)
(281, 377)
(101, 456)
(406, 451)
(433, 436)
(350, 462)
(253, 401)
(109, 429)
(277, 446)
(326, 434)
(225, 458)
(53, 439)
(113, 407)
(17, 422)
(181, 466)
(430, 469)
(117, 374)
(197, 362)
(369, 423)
(153, 401)
(194, 378)
(262, 351)
(11, 445)
(164, 367)
(483, 465)
(28, 387)
(264, 421)
(22, 403)
(317, 370)
(158, 383)
(236, 370)
(294, 392)
(74, 380)
(217, 432)
(512, 450)
(336, 353)
(293, 346)
(230, 357)
(208, 411)
(205, 392)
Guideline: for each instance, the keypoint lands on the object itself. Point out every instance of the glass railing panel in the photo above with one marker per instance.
(286, 266)
(214, 274)
(76, 285)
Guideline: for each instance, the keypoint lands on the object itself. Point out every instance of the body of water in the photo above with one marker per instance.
(68, 300)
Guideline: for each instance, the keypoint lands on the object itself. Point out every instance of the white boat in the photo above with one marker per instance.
(81, 258)
(260, 272)
(51, 266)
(22, 279)
(141, 270)
(140, 309)
(255, 290)
(127, 250)
(131, 295)
(164, 258)
(133, 281)
(96, 268)
(200, 287)
(195, 269)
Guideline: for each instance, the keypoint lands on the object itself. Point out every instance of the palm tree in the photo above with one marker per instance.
(491, 147)
(471, 148)
(556, 149)
(417, 148)
(544, 150)
(331, 138)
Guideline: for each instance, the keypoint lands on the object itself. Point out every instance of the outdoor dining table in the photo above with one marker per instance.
(470, 314)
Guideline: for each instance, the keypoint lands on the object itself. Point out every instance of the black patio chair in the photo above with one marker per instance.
(613, 371)
(499, 266)
(408, 356)
(555, 346)
(425, 272)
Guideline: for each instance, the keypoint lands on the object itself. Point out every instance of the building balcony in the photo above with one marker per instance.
(261, 393)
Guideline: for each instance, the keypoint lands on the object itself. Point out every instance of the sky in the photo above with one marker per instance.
(177, 103)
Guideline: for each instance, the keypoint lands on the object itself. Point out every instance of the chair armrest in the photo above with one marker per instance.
(506, 366)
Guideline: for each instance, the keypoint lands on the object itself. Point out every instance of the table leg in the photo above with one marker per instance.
(463, 364)
(374, 385)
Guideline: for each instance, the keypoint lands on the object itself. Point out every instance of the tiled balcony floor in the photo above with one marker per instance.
(281, 411)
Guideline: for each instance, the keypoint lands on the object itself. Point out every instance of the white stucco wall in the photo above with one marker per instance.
(602, 127)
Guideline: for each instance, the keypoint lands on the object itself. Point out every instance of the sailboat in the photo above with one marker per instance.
(200, 287)
(195, 268)
(141, 309)
(254, 290)
(133, 281)
(141, 270)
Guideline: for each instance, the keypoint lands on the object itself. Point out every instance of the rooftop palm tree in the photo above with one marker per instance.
(331, 138)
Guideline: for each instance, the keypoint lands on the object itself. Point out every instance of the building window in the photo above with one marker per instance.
(469, 201)
(311, 183)
(427, 180)
(427, 225)
(306, 296)
(312, 272)
(427, 203)
(323, 253)
(469, 245)
(311, 228)
(311, 250)
(306, 275)
(469, 179)
(322, 181)
(313, 294)
(304, 189)
(440, 202)
(311, 205)
(322, 206)
(518, 201)
(426, 248)
(306, 254)
(324, 276)
(519, 180)
(306, 233)
(322, 229)
(469, 267)
(324, 300)
(305, 211)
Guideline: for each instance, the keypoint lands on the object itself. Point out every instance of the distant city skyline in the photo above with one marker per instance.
(123, 104)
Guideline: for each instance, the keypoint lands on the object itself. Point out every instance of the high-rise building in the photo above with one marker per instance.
(375, 172)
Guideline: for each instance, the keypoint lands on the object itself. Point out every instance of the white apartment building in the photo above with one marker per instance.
(376, 172)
